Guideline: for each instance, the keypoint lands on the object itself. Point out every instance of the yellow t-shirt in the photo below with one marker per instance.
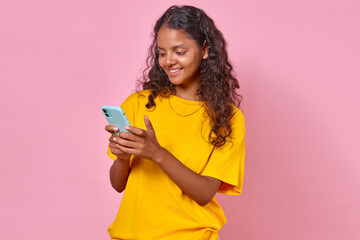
(153, 206)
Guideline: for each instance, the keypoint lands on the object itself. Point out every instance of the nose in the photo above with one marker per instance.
(170, 60)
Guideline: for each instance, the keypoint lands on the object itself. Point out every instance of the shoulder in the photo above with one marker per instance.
(134, 104)
(136, 98)
(135, 101)
(139, 96)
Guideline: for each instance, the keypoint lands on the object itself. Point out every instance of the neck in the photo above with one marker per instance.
(188, 92)
(189, 95)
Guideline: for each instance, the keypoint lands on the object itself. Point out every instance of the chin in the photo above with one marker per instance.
(176, 82)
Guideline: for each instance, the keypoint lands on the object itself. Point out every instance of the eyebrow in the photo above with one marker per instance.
(174, 47)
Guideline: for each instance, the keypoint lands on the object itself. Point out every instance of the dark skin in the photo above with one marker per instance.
(143, 143)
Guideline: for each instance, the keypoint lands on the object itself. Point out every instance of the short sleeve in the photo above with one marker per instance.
(227, 163)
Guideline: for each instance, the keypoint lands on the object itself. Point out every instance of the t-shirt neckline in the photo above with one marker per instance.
(186, 101)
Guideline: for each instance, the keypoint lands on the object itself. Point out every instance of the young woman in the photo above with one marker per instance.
(187, 136)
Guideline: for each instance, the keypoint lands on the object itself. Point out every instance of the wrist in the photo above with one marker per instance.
(161, 156)
(123, 158)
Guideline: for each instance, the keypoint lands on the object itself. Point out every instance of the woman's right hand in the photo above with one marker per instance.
(115, 147)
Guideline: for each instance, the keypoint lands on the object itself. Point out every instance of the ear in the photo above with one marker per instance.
(204, 51)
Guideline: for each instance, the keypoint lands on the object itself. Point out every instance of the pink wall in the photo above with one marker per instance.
(299, 66)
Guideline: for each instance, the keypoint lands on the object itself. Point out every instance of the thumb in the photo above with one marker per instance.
(148, 124)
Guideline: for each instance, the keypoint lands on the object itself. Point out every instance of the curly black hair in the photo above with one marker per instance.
(218, 85)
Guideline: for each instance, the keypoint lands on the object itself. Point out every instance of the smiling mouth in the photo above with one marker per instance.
(174, 70)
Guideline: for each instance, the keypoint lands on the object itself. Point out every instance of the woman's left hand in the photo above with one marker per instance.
(142, 143)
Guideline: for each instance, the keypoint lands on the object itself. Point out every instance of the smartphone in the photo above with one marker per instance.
(116, 116)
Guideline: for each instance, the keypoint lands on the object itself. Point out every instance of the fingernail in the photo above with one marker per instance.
(115, 129)
(127, 127)
(114, 138)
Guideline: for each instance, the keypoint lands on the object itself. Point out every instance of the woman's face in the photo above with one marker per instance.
(180, 58)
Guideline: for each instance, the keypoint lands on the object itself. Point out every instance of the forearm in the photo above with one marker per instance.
(119, 173)
(200, 188)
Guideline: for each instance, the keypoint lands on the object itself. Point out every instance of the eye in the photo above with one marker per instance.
(180, 53)
(162, 54)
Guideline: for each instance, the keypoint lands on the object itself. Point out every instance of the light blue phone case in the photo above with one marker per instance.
(116, 116)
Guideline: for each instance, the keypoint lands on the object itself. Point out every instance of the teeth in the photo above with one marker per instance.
(175, 70)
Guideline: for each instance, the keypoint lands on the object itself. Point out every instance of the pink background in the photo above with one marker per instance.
(299, 67)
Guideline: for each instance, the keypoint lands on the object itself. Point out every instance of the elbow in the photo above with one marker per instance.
(203, 201)
(207, 190)
(118, 188)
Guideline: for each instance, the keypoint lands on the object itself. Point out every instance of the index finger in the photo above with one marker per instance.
(135, 130)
